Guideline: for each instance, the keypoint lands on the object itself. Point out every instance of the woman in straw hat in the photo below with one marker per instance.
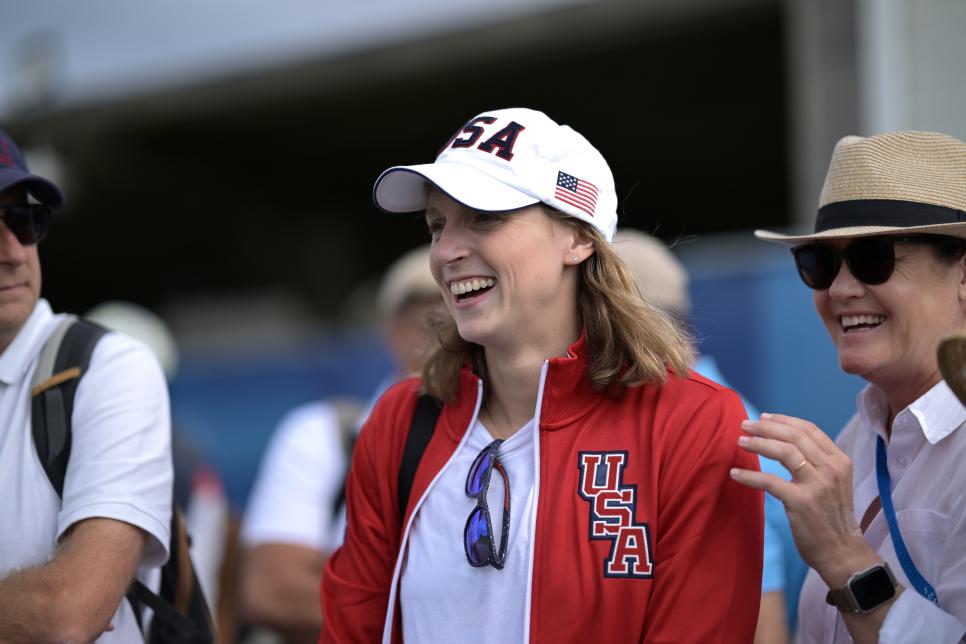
(881, 516)
(564, 393)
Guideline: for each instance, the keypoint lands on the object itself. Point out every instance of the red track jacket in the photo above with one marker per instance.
(641, 535)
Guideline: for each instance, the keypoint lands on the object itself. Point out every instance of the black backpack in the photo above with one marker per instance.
(181, 613)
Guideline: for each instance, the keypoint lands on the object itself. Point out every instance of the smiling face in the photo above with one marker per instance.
(509, 279)
(19, 275)
(888, 333)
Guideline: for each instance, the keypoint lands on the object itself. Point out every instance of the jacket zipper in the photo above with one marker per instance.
(536, 499)
(397, 571)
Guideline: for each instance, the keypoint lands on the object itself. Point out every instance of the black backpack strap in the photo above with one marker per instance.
(181, 613)
(63, 360)
(420, 432)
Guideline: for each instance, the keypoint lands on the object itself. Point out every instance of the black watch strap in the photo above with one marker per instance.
(865, 591)
(842, 599)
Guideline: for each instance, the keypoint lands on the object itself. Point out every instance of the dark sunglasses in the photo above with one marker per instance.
(478, 534)
(871, 260)
(27, 222)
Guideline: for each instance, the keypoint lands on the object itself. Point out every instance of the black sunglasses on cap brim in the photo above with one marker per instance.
(871, 260)
(27, 222)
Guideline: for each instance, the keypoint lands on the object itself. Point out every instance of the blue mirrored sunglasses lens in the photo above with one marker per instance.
(476, 539)
(474, 480)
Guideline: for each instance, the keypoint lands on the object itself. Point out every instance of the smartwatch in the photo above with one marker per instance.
(865, 591)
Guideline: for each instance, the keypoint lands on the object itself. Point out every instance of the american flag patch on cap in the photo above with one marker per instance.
(576, 192)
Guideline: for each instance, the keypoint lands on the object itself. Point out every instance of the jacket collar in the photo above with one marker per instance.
(567, 393)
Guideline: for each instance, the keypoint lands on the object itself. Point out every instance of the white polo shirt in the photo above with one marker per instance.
(299, 479)
(120, 462)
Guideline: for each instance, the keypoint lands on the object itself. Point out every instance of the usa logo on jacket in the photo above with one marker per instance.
(612, 509)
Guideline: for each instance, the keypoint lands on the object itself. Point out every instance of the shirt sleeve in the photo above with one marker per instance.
(707, 575)
(120, 463)
(294, 495)
(913, 619)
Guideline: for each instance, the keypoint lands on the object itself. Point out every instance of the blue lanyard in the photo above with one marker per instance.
(905, 560)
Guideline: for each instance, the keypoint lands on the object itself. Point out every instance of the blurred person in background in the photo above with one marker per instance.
(663, 281)
(198, 489)
(562, 391)
(67, 560)
(880, 514)
(296, 516)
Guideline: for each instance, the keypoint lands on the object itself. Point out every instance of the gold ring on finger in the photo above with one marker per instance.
(800, 465)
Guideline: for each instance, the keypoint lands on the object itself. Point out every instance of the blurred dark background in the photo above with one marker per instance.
(230, 189)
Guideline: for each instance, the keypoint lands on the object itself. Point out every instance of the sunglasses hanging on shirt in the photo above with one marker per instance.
(478, 535)
(27, 222)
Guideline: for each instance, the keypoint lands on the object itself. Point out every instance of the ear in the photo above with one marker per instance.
(580, 246)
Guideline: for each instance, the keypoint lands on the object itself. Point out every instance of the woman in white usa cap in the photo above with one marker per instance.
(573, 482)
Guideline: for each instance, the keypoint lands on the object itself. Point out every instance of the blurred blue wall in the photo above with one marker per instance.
(226, 406)
(752, 313)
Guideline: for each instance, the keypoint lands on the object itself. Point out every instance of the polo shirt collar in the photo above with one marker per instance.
(19, 354)
(937, 413)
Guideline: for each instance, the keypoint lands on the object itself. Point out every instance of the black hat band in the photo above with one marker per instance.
(884, 212)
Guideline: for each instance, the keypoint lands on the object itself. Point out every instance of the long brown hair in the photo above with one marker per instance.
(630, 342)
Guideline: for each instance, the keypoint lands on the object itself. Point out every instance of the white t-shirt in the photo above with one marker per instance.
(120, 461)
(299, 479)
(444, 599)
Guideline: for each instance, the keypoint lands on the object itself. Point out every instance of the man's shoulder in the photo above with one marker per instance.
(118, 351)
(311, 426)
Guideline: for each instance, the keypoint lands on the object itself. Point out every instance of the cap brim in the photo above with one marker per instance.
(405, 188)
(957, 229)
(39, 188)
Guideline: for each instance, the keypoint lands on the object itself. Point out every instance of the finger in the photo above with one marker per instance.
(821, 438)
(785, 453)
(779, 431)
(779, 488)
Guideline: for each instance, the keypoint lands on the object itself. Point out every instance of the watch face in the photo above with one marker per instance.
(872, 588)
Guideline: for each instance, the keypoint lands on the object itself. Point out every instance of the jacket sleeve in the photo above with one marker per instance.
(358, 576)
(707, 574)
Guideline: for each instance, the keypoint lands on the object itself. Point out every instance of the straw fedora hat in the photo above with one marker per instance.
(894, 183)
(952, 363)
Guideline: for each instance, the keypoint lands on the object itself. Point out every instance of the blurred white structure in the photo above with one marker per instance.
(853, 66)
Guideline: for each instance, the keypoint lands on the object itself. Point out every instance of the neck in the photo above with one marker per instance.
(514, 381)
(903, 393)
(6, 339)
(512, 395)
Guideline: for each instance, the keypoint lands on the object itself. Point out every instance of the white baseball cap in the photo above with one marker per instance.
(508, 159)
